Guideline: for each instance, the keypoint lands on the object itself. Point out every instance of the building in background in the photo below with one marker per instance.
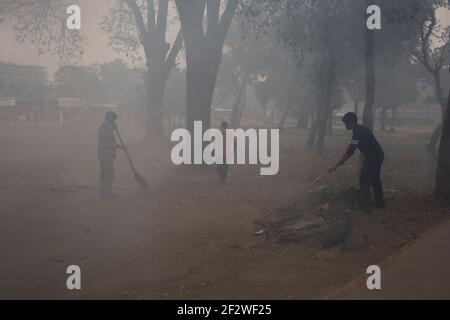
(24, 93)
(27, 95)
(23, 82)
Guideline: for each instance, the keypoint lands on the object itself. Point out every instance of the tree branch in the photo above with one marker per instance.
(151, 15)
(139, 19)
(425, 39)
(161, 23)
(173, 53)
(191, 17)
(226, 19)
(212, 16)
(43, 23)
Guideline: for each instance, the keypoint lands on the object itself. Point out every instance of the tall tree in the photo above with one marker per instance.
(133, 24)
(369, 61)
(397, 86)
(434, 60)
(203, 43)
(442, 188)
(325, 32)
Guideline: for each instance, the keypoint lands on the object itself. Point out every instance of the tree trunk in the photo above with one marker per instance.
(432, 147)
(329, 131)
(394, 119)
(434, 141)
(201, 72)
(241, 110)
(203, 53)
(442, 189)
(325, 114)
(156, 83)
(160, 59)
(383, 118)
(313, 131)
(286, 111)
(369, 58)
(356, 106)
(438, 89)
(239, 103)
(321, 128)
(302, 119)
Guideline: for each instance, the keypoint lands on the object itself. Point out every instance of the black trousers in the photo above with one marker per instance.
(370, 178)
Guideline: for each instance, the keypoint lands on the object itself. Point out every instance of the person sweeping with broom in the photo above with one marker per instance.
(106, 153)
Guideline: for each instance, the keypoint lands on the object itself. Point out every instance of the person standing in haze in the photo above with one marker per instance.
(106, 154)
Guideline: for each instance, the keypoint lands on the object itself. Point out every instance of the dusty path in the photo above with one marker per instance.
(186, 237)
(420, 271)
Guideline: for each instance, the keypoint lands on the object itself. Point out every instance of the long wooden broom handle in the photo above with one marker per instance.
(126, 151)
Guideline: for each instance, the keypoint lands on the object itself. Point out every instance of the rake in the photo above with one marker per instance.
(298, 194)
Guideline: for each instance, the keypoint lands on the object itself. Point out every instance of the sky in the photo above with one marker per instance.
(97, 48)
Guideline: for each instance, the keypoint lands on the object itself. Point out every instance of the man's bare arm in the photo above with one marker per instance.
(341, 162)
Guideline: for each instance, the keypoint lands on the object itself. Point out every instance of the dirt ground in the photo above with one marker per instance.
(187, 236)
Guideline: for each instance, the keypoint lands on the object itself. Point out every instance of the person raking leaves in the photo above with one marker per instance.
(364, 140)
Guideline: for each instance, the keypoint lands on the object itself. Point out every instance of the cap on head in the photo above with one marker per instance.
(110, 116)
(350, 117)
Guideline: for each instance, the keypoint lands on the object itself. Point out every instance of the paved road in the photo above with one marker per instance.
(420, 271)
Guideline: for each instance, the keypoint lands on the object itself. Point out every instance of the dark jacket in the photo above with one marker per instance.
(364, 140)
